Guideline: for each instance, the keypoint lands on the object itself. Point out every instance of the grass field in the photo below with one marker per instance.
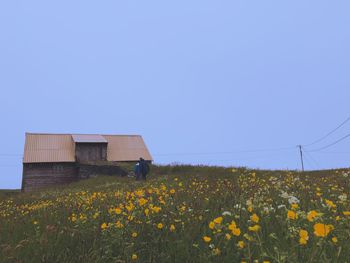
(183, 214)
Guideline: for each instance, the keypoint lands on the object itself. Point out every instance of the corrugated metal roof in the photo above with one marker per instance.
(48, 148)
(126, 148)
(61, 147)
(88, 138)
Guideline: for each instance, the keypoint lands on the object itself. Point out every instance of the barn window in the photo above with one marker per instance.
(57, 168)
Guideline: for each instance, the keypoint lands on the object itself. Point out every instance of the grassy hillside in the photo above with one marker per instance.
(183, 214)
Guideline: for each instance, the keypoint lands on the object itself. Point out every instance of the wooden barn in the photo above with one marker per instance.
(54, 159)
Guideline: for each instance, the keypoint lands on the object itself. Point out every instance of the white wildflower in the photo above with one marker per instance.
(285, 195)
(227, 213)
(281, 206)
(249, 202)
(237, 206)
(293, 200)
(343, 197)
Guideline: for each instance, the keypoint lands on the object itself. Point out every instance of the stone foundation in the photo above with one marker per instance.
(93, 170)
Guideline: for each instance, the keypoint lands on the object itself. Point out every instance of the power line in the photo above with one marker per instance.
(330, 145)
(333, 152)
(331, 132)
(308, 155)
(309, 163)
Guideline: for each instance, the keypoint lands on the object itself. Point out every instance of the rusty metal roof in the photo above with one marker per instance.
(88, 138)
(43, 148)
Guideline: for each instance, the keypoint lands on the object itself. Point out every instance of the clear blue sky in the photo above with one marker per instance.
(201, 77)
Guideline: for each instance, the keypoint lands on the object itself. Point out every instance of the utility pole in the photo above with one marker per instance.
(301, 157)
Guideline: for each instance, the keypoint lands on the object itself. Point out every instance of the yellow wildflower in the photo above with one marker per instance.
(118, 224)
(206, 239)
(241, 244)
(292, 215)
(304, 237)
(255, 218)
(346, 213)
(216, 251)
(311, 215)
(146, 212)
(228, 236)
(218, 220)
(118, 211)
(232, 226)
(104, 226)
(156, 209)
(139, 193)
(211, 225)
(236, 232)
(134, 257)
(254, 228)
(295, 206)
(134, 234)
(330, 204)
(322, 230)
(130, 207)
(143, 201)
(160, 226)
(172, 228)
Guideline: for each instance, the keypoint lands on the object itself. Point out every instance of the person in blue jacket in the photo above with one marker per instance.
(144, 168)
(137, 170)
(141, 169)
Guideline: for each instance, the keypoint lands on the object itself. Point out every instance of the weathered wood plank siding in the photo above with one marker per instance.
(41, 175)
(87, 152)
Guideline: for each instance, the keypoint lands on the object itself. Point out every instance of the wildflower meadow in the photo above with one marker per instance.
(183, 214)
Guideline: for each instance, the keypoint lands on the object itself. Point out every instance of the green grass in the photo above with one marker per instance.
(5, 193)
(96, 220)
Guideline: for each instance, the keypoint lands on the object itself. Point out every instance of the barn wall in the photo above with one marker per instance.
(42, 175)
(87, 152)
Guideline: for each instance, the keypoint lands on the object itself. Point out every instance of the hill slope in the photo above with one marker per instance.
(183, 214)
